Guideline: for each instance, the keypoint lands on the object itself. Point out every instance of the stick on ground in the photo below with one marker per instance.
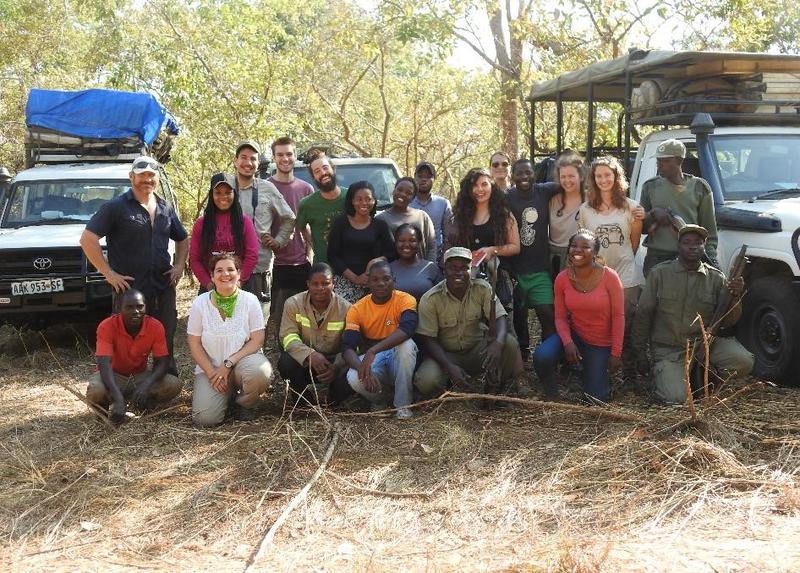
(296, 500)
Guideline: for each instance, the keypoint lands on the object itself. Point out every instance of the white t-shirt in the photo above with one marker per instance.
(613, 231)
(221, 338)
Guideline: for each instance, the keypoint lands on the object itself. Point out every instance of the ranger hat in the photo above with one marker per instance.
(458, 253)
(692, 228)
(248, 143)
(144, 164)
(670, 148)
(425, 165)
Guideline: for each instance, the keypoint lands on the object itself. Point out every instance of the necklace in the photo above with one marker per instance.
(587, 285)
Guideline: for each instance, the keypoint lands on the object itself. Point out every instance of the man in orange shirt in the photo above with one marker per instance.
(381, 325)
(124, 341)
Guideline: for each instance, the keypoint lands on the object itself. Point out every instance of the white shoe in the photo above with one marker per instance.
(404, 413)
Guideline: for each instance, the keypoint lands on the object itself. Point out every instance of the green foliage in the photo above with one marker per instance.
(374, 81)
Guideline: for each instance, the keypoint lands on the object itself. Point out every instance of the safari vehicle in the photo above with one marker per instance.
(73, 167)
(739, 116)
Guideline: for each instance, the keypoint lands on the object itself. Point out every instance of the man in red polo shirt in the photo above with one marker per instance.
(124, 342)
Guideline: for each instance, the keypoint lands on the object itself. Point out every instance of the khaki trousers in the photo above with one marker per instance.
(161, 391)
(432, 379)
(668, 367)
(246, 382)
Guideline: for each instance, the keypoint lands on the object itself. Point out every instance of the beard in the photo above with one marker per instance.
(329, 185)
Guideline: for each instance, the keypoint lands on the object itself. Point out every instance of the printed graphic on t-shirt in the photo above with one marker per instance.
(527, 234)
(609, 235)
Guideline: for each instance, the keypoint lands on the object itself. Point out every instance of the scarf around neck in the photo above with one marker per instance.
(226, 304)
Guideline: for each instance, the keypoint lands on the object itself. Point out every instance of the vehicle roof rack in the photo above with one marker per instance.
(662, 87)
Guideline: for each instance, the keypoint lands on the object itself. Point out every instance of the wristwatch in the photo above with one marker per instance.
(227, 363)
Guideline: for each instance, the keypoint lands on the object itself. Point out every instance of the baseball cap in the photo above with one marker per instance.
(144, 164)
(458, 253)
(692, 228)
(248, 143)
(670, 148)
(218, 178)
(425, 165)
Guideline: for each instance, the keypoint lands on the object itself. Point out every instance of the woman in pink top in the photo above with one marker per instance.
(222, 229)
(590, 321)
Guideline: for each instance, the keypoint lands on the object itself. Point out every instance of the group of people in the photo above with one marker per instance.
(419, 297)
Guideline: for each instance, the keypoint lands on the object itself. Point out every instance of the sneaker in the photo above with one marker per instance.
(404, 413)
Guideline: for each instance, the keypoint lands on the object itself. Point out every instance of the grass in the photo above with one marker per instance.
(529, 488)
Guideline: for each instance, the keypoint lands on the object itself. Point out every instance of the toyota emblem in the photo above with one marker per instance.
(42, 263)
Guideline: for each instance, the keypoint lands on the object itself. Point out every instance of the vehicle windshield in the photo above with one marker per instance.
(382, 177)
(752, 165)
(37, 202)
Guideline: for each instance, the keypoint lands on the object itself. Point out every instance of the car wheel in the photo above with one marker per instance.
(770, 328)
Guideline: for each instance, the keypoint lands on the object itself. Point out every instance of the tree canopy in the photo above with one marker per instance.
(376, 80)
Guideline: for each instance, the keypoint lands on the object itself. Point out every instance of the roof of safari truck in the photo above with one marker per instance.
(608, 77)
(75, 171)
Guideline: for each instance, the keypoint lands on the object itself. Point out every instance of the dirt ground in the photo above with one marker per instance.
(532, 487)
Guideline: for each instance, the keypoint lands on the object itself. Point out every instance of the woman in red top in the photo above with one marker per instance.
(223, 228)
(590, 320)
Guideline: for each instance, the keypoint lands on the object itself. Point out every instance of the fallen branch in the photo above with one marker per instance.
(528, 402)
(92, 407)
(296, 500)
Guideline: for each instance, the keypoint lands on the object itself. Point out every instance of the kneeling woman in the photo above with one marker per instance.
(225, 335)
(590, 321)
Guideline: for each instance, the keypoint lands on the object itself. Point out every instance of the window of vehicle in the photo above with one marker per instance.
(751, 165)
(382, 177)
(42, 202)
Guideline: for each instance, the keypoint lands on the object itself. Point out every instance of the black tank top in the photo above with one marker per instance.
(482, 236)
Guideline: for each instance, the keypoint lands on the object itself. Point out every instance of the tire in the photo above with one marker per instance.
(770, 329)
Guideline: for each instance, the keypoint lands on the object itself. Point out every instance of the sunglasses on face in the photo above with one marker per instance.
(500, 164)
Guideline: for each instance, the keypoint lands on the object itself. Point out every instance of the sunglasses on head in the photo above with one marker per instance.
(145, 164)
(500, 164)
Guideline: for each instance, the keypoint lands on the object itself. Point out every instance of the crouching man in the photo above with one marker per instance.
(675, 293)
(124, 342)
(311, 337)
(380, 325)
(453, 322)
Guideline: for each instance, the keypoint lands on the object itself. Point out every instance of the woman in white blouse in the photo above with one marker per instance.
(225, 335)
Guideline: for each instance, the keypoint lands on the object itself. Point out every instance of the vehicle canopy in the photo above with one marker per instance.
(660, 87)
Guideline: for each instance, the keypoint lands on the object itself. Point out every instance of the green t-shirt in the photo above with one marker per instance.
(318, 213)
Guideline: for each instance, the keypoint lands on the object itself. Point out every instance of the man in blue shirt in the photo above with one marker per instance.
(138, 226)
(438, 208)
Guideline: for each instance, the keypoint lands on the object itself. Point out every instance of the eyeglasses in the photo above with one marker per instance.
(500, 164)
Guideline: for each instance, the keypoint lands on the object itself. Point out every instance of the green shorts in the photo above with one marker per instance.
(537, 287)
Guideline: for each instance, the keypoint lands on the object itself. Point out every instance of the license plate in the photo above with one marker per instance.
(37, 287)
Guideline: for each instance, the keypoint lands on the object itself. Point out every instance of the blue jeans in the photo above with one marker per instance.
(596, 382)
(393, 367)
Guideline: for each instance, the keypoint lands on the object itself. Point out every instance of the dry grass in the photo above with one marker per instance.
(455, 489)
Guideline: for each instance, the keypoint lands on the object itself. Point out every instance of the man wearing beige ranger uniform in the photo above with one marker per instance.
(675, 294)
(311, 336)
(453, 318)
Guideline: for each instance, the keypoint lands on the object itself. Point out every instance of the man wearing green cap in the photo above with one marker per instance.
(671, 199)
(675, 293)
(453, 319)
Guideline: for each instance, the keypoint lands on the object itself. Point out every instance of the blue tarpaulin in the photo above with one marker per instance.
(99, 114)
